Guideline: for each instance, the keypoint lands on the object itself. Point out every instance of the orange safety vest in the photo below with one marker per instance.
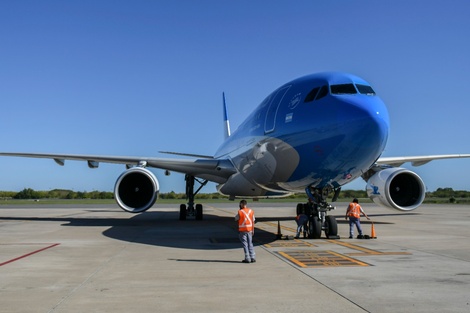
(245, 222)
(354, 210)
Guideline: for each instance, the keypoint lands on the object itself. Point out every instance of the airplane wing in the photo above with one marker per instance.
(417, 160)
(216, 170)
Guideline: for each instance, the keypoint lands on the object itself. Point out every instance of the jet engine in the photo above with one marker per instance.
(396, 188)
(136, 190)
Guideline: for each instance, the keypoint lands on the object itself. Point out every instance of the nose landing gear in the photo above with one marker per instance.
(317, 211)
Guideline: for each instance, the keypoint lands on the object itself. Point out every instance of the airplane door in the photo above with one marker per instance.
(270, 121)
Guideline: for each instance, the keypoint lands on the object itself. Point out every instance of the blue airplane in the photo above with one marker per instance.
(314, 134)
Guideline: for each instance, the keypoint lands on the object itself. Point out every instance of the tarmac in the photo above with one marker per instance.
(73, 258)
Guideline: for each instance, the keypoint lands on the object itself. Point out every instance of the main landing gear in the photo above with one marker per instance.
(190, 209)
(318, 218)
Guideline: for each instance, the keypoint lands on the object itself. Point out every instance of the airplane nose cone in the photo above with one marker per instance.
(367, 123)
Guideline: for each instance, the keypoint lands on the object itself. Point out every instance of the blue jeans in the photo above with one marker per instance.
(301, 224)
(354, 221)
(246, 239)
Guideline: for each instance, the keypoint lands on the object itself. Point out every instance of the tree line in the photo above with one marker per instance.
(28, 193)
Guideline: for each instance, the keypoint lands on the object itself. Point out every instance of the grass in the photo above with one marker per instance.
(178, 201)
(163, 201)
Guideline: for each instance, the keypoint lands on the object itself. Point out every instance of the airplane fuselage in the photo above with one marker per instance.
(319, 130)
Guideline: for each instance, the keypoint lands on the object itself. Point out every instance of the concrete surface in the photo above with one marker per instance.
(101, 259)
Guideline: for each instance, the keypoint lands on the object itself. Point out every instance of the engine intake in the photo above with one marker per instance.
(136, 190)
(396, 188)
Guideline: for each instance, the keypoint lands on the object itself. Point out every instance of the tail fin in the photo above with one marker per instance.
(226, 121)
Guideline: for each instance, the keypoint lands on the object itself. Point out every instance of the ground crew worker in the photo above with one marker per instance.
(246, 230)
(354, 212)
(301, 220)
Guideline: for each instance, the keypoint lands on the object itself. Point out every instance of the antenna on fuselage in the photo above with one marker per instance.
(226, 121)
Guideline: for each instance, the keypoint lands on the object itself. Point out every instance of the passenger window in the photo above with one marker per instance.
(343, 89)
(311, 95)
(365, 90)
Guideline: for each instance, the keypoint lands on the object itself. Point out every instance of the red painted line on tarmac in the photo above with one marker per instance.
(29, 254)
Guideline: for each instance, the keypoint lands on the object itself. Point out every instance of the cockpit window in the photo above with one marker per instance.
(365, 90)
(311, 95)
(340, 89)
(316, 93)
(343, 89)
(322, 93)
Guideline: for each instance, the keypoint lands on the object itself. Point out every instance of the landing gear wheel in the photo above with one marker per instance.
(331, 230)
(191, 209)
(314, 228)
(182, 212)
(199, 212)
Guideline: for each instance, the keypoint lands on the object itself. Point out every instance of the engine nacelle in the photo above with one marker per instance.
(136, 190)
(396, 188)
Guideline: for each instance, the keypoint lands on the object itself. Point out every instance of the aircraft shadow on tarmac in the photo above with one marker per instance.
(163, 228)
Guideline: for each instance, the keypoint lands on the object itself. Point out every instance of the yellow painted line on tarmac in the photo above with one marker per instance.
(364, 251)
(288, 244)
(354, 247)
(352, 260)
(292, 259)
(316, 259)
(380, 253)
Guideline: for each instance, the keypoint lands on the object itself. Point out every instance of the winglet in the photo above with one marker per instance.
(226, 121)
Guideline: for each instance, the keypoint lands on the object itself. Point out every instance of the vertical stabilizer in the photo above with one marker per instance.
(226, 121)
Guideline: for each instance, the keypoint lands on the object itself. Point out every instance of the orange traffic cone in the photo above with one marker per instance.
(372, 232)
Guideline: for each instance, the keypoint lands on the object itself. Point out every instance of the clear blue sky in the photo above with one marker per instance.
(138, 77)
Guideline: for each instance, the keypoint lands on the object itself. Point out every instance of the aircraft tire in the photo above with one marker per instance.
(199, 213)
(332, 226)
(182, 212)
(314, 228)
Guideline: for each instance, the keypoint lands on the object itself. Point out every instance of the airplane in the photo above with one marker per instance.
(313, 134)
